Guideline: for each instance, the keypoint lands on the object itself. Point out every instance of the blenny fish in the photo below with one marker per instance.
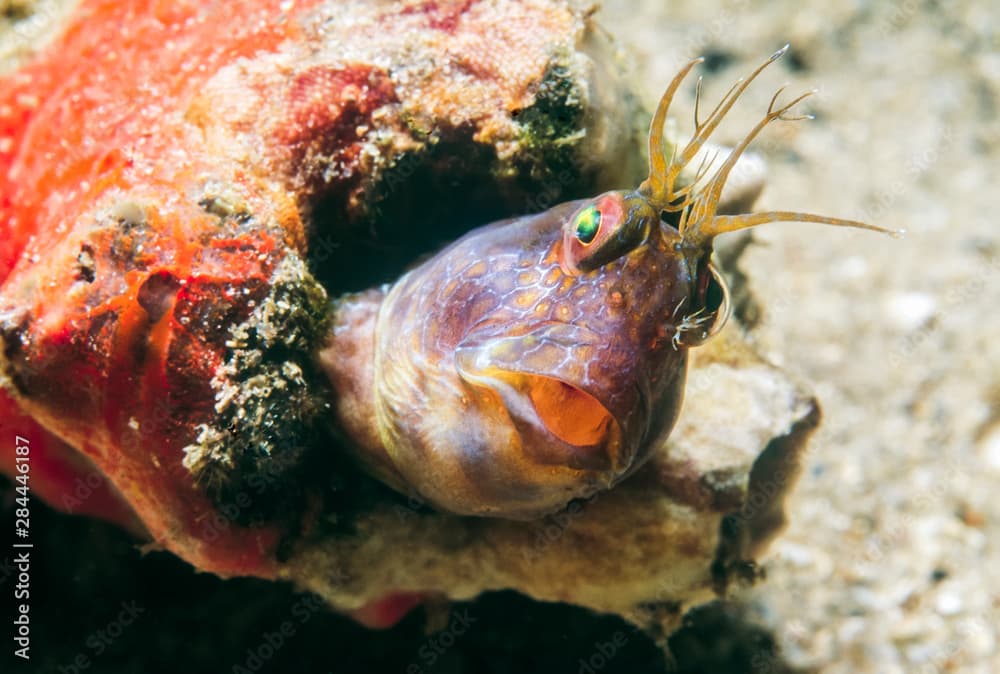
(170, 329)
(541, 359)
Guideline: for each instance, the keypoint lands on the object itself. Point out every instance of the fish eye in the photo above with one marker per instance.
(587, 224)
(599, 232)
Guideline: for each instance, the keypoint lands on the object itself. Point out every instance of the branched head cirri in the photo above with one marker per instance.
(543, 358)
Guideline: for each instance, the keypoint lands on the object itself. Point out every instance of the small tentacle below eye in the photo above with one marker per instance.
(706, 322)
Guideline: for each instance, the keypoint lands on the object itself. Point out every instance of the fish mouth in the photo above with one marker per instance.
(579, 422)
(571, 414)
(542, 379)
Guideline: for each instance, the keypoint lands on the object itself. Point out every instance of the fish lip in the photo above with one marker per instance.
(492, 357)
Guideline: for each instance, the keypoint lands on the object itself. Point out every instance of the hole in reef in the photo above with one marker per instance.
(428, 199)
(419, 205)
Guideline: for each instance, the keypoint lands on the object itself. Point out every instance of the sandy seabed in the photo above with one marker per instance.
(889, 563)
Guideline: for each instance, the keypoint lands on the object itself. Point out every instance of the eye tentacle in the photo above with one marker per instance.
(707, 200)
(697, 102)
(721, 224)
(698, 200)
(661, 190)
(703, 224)
(707, 162)
(658, 184)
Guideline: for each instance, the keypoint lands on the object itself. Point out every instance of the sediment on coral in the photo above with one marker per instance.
(266, 402)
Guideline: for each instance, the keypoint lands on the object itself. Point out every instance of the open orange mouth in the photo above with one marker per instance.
(573, 416)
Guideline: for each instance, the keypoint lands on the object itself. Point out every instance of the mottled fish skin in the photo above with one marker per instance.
(461, 343)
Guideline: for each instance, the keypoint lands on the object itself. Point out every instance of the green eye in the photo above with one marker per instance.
(588, 222)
